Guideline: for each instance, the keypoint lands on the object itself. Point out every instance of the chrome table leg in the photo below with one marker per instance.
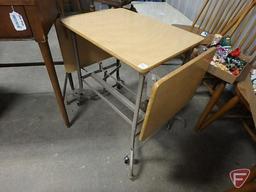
(135, 122)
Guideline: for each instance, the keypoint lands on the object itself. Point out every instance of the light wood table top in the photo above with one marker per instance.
(141, 42)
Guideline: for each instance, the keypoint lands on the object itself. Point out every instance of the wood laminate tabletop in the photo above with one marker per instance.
(139, 41)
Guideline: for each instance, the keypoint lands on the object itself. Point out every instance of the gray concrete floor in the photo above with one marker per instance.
(37, 152)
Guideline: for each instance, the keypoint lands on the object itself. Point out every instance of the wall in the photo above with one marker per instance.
(188, 7)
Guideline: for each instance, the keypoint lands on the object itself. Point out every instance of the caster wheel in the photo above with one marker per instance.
(126, 160)
(118, 86)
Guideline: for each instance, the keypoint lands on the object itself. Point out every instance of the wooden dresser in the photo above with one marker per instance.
(38, 17)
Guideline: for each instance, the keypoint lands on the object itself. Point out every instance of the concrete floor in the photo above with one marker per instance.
(37, 152)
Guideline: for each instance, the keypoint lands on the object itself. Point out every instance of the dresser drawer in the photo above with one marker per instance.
(7, 30)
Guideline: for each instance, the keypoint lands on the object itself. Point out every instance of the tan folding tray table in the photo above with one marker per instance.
(138, 41)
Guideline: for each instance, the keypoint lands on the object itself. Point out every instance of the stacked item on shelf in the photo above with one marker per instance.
(226, 58)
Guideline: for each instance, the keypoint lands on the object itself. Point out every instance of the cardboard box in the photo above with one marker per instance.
(228, 77)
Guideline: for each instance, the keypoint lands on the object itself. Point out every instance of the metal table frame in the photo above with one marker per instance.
(142, 60)
(124, 100)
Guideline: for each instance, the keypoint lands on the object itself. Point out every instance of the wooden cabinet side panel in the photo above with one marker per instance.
(48, 13)
(7, 30)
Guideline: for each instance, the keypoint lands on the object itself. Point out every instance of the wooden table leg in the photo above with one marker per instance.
(213, 100)
(47, 56)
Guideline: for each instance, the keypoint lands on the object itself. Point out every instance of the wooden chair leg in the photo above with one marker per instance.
(211, 103)
(209, 88)
(228, 106)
